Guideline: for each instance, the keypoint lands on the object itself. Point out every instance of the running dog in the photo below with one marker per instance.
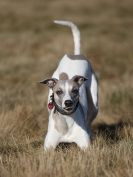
(72, 99)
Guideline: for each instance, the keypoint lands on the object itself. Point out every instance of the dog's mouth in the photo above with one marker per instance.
(68, 109)
(71, 109)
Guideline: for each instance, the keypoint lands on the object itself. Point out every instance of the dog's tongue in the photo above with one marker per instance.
(50, 105)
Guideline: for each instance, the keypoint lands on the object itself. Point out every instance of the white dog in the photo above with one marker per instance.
(73, 98)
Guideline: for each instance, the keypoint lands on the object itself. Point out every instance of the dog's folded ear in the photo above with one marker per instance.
(49, 82)
(79, 79)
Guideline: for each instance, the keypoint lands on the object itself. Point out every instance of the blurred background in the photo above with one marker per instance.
(31, 46)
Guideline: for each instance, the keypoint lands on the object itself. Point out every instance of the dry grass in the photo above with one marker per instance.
(30, 48)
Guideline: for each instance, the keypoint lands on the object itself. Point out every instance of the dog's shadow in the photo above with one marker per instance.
(111, 133)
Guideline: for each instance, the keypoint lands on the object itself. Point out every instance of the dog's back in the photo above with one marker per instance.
(78, 64)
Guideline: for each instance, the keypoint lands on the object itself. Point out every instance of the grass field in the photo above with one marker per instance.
(30, 49)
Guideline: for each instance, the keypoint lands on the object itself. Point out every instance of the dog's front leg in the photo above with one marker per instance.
(51, 140)
(53, 136)
(82, 138)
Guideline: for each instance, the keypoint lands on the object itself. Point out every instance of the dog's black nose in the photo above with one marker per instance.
(68, 103)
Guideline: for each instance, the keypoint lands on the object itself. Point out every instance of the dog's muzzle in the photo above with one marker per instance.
(68, 110)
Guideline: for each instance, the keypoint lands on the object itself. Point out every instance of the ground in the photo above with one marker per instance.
(30, 49)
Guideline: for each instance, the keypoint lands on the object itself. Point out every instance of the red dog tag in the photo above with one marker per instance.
(50, 105)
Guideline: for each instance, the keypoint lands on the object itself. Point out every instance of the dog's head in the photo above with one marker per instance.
(66, 91)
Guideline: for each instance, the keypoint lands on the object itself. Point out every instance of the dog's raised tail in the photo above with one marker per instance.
(75, 32)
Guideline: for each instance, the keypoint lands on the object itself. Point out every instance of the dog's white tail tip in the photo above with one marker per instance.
(75, 32)
(58, 21)
(63, 22)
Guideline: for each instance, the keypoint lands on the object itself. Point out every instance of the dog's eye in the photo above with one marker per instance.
(75, 91)
(59, 92)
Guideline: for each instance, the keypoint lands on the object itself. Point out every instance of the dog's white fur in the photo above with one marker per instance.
(74, 127)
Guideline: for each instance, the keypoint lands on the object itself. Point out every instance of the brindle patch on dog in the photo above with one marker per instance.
(63, 76)
(60, 123)
(76, 57)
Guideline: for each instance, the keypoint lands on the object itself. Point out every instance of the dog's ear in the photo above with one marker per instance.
(50, 82)
(79, 79)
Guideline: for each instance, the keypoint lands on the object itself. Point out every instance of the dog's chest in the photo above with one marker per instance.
(62, 123)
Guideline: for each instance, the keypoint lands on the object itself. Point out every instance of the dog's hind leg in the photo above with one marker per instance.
(92, 96)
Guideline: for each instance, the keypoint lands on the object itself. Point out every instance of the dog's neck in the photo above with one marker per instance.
(64, 123)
